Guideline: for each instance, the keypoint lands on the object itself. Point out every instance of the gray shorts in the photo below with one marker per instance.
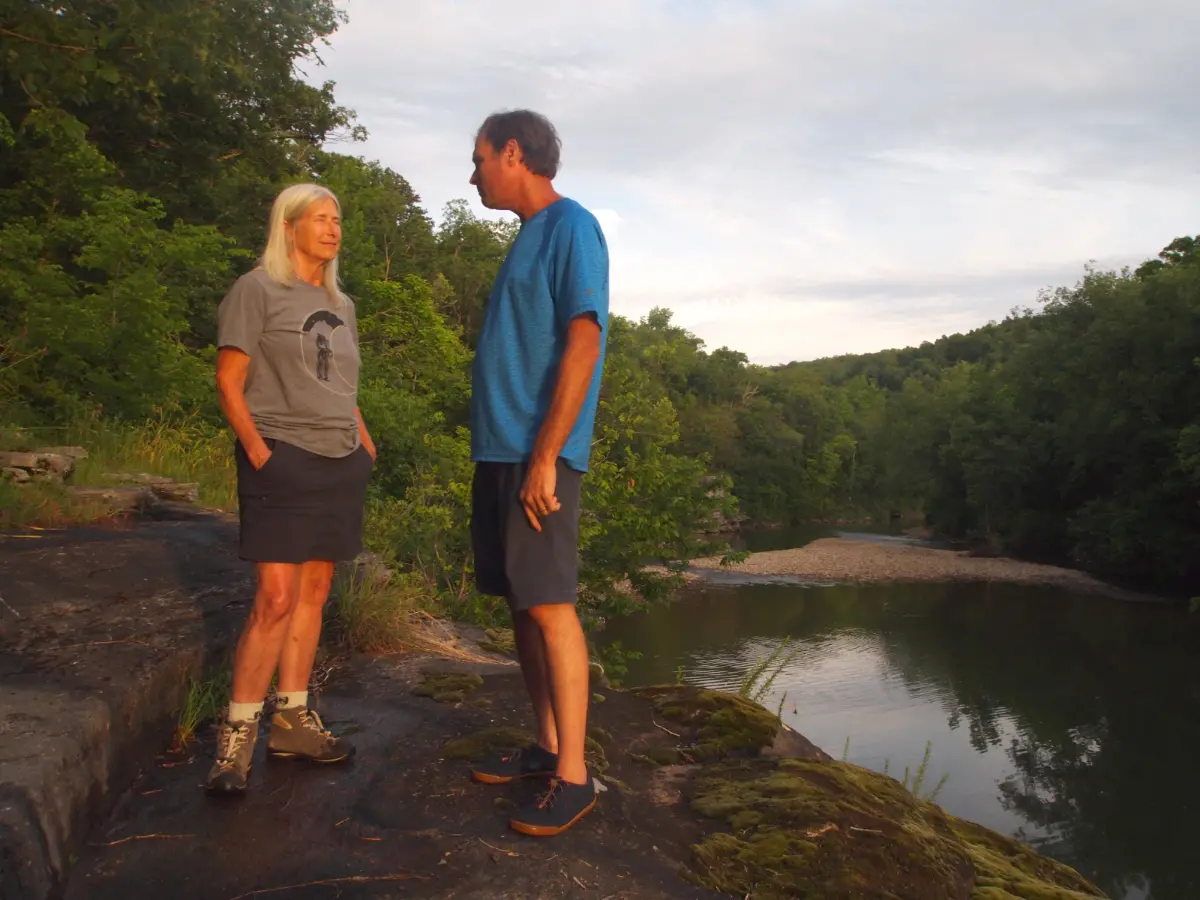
(527, 567)
(301, 506)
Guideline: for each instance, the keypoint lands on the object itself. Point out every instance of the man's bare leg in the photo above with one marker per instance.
(531, 652)
(566, 656)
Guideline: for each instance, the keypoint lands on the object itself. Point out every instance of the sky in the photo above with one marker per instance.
(802, 179)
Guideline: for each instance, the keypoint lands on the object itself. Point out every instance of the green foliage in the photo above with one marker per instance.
(89, 304)
(386, 234)
(613, 658)
(198, 104)
(141, 144)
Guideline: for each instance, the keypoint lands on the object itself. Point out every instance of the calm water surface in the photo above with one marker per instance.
(1070, 722)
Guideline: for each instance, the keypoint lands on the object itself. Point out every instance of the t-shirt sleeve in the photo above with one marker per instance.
(581, 272)
(240, 316)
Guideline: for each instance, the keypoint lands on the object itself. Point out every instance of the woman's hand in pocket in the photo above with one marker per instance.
(259, 456)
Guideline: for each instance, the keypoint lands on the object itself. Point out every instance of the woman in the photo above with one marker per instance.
(287, 377)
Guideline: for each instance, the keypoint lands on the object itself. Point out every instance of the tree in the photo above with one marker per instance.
(197, 104)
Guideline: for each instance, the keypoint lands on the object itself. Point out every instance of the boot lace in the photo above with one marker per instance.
(233, 739)
(310, 719)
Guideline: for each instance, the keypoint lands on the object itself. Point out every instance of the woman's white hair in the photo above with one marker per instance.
(290, 205)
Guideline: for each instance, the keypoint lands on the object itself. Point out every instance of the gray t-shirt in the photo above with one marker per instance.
(302, 385)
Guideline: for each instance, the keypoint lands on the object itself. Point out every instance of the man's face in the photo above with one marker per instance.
(495, 176)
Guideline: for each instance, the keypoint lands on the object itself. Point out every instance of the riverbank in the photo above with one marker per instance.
(870, 561)
(704, 794)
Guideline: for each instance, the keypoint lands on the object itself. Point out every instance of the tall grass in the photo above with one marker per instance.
(758, 681)
(188, 449)
(917, 779)
(402, 612)
(204, 702)
(375, 615)
(185, 449)
(46, 504)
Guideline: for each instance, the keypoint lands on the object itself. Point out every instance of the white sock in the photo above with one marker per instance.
(291, 699)
(244, 712)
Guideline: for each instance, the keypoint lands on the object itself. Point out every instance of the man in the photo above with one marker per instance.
(535, 387)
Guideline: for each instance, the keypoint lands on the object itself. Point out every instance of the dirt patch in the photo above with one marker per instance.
(843, 560)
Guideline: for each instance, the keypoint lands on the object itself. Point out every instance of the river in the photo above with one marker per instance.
(1070, 722)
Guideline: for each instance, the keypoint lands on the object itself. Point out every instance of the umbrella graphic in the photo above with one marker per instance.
(325, 360)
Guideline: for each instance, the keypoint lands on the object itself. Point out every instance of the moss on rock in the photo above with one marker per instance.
(600, 736)
(447, 687)
(474, 747)
(660, 756)
(714, 725)
(1006, 869)
(597, 760)
(499, 640)
(809, 829)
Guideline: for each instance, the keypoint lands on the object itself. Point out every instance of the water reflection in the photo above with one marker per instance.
(1070, 722)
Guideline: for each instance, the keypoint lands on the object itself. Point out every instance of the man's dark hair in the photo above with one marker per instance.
(533, 133)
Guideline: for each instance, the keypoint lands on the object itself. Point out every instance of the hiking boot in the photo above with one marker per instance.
(560, 807)
(299, 734)
(234, 756)
(531, 762)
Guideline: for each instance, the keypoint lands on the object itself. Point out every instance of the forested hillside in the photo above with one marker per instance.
(140, 145)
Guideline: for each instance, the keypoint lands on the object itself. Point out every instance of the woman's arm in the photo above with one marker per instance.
(364, 434)
(232, 366)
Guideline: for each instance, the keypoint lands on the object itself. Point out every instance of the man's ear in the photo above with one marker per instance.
(512, 152)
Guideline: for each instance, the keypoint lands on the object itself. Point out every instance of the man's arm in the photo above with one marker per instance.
(575, 371)
(579, 285)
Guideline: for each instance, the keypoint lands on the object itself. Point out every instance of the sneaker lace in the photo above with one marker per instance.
(552, 794)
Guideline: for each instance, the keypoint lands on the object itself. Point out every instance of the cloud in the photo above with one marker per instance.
(610, 222)
(802, 178)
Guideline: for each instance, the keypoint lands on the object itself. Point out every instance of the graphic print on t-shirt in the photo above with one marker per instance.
(322, 338)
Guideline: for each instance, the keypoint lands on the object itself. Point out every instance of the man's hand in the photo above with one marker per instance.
(538, 493)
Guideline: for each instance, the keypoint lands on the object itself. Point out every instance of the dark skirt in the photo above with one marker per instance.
(302, 506)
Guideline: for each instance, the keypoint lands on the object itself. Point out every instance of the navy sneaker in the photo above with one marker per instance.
(560, 807)
(531, 762)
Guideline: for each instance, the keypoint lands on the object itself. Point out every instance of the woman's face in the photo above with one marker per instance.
(317, 232)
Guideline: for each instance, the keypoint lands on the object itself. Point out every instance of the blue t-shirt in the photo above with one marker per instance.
(556, 270)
